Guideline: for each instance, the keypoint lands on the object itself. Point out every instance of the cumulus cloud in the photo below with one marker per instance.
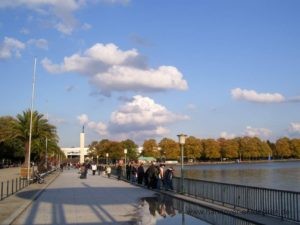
(226, 135)
(98, 127)
(83, 119)
(11, 47)
(253, 96)
(39, 43)
(143, 112)
(257, 132)
(111, 69)
(138, 119)
(294, 127)
(60, 13)
(142, 118)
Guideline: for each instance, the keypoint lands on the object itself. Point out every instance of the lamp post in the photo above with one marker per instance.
(181, 138)
(125, 152)
(107, 158)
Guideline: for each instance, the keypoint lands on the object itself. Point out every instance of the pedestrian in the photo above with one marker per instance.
(94, 168)
(160, 180)
(108, 171)
(119, 171)
(168, 179)
(140, 174)
(128, 171)
(133, 173)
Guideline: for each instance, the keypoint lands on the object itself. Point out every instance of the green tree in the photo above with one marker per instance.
(131, 148)
(169, 148)
(19, 129)
(283, 148)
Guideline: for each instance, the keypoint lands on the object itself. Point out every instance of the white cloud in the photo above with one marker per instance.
(58, 12)
(253, 96)
(112, 69)
(11, 47)
(83, 119)
(138, 119)
(257, 132)
(98, 127)
(294, 127)
(226, 135)
(142, 118)
(39, 43)
(143, 112)
(62, 11)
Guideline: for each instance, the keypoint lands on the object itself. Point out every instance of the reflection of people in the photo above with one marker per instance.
(154, 207)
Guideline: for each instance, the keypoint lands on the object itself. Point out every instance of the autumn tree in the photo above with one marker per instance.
(169, 148)
(230, 148)
(193, 148)
(295, 146)
(211, 149)
(150, 148)
(283, 148)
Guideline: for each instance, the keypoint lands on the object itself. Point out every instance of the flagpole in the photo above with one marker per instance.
(31, 115)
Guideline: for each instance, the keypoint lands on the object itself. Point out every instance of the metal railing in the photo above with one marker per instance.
(278, 203)
(12, 186)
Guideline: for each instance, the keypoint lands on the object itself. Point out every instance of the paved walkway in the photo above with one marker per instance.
(95, 200)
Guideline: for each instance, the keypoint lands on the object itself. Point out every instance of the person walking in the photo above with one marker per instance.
(108, 171)
(168, 179)
(119, 171)
(94, 168)
(140, 174)
(128, 171)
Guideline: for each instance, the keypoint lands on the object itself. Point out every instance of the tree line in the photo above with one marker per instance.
(14, 139)
(195, 149)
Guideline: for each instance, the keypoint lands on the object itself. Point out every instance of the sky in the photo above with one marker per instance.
(143, 69)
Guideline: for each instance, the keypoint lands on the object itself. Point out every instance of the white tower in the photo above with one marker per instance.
(82, 146)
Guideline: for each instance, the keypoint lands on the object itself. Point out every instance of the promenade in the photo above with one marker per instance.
(66, 199)
(95, 200)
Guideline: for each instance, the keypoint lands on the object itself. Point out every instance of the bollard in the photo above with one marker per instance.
(1, 197)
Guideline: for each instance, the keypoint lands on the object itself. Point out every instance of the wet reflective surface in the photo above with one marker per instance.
(161, 209)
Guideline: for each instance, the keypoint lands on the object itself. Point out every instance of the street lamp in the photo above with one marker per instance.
(181, 138)
(107, 158)
(125, 152)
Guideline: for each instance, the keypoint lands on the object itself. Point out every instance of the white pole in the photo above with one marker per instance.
(31, 115)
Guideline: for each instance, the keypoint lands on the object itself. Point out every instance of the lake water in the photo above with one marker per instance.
(275, 175)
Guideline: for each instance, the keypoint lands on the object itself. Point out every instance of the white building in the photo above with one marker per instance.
(80, 152)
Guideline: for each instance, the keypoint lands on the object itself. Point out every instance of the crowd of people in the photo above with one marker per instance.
(154, 177)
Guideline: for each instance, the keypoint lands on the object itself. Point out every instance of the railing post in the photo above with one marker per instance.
(12, 186)
(1, 197)
(7, 188)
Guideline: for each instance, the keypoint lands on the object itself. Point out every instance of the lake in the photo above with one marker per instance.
(283, 175)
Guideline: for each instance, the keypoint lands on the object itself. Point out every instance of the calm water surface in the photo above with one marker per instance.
(275, 175)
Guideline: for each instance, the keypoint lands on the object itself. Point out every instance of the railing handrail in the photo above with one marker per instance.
(240, 185)
(278, 203)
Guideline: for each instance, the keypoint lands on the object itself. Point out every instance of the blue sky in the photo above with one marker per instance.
(150, 69)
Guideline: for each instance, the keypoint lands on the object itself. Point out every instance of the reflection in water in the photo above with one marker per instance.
(162, 209)
(275, 175)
